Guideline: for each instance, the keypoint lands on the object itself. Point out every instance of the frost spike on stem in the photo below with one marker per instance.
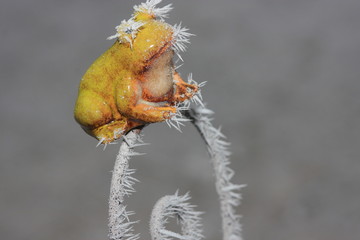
(218, 150)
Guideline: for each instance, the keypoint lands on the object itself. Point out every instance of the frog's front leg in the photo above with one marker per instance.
(184, 90)
(131, 104)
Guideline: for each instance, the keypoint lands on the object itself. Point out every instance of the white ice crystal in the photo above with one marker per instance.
(126, 31)
(149, 7)
(181, 37)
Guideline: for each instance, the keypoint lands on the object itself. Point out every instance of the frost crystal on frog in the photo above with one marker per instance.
(126, 31)
(150, 8)
(181, 38)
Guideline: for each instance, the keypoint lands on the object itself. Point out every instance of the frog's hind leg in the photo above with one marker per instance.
(97, 118)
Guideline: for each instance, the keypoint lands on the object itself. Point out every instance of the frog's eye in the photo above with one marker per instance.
(159, 74)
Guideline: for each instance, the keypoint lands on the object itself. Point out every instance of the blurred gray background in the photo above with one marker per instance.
(283, 79)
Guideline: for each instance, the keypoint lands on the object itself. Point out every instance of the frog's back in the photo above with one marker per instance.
(104, 71)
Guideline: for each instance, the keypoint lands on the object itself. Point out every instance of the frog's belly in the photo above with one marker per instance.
(159, 86)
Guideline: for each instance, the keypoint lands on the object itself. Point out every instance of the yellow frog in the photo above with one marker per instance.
(134, 82)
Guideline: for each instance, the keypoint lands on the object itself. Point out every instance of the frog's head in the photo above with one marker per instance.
(145, 36)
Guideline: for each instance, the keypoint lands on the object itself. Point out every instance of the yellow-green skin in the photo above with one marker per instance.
(128, 86)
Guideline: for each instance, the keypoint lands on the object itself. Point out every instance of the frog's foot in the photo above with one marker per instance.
(112, 131)
(184, 91)
(187, 91)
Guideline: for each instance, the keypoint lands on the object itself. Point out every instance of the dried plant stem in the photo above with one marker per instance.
(218, 150)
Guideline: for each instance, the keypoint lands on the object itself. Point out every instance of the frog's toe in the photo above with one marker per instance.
(110, 140)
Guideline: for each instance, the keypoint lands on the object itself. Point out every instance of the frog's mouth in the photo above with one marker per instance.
(153, 104)
(166, 47)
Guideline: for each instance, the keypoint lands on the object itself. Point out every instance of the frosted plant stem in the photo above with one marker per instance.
(218, 150)
(175, 206)
(120, 227)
